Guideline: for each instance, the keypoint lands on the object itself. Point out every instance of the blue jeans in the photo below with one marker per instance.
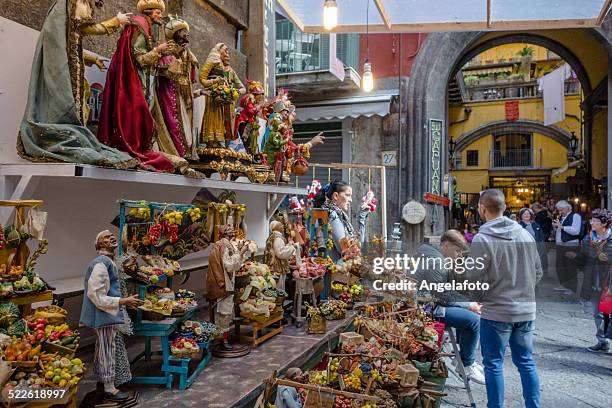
(467, 324)
(494, 338)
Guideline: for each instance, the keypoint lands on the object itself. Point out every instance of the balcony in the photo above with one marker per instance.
(308, 63)
(511, 158)
(507, 89)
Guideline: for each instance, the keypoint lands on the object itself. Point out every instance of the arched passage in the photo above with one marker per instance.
(439, 59)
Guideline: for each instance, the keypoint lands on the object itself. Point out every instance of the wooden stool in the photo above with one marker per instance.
(302, 287)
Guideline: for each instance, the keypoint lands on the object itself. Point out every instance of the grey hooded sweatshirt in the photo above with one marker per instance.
(512, 269)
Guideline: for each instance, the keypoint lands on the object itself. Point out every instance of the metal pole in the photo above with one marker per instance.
(383, 193)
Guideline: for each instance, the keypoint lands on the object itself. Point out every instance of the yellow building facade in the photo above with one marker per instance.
(496, 148)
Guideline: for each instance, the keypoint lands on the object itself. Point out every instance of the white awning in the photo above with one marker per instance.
(448, 15)
(344, 108)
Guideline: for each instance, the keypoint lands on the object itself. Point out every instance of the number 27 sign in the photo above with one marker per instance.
(389, 158)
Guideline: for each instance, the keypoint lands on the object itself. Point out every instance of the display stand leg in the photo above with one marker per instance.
(298, 319)
(147, 355)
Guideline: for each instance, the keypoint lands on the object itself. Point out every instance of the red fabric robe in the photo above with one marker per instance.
(126, 122)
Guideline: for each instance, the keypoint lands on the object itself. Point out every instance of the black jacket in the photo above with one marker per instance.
(545, 222)
(539, 235)
(595, 271)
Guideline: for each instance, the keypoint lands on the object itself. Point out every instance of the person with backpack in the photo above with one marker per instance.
(568, 228)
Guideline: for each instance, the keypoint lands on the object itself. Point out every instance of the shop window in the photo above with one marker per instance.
(472, 158)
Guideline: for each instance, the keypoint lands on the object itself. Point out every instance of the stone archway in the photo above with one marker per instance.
(439, 58)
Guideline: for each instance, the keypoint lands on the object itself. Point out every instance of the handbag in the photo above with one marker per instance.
(605, 302)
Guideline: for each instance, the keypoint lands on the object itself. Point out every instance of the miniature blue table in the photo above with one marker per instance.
(163, 330)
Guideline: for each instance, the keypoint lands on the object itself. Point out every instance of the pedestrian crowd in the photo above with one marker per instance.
(515, 248)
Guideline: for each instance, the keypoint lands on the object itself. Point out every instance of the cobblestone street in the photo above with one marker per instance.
(570, 376)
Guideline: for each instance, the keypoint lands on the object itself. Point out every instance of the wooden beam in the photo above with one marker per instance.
(496, 25)
(489, 13)
(603, 12)
(274, 201)
(383, 13)
(310, 387)
(294, 17)
(543, 24)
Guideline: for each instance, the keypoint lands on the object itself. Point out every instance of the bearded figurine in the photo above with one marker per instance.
(126, 121)
(55, 119)
(278, 252)
(226, 258)
(223, 88)
(247, 124)
(176, 73)
(103, 310)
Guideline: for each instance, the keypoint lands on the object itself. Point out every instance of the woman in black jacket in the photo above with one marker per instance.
(527, 221)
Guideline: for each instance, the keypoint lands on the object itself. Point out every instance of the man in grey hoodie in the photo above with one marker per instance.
(511, 267)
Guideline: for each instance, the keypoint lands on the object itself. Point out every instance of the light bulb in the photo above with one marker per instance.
(330, 14)
(576, 200)
(367, 80)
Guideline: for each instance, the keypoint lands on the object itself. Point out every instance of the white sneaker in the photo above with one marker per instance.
(474, 374)
(478, 367)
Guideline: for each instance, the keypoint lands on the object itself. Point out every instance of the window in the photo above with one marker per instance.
(472, 158)
(329, 152)
(512, 150)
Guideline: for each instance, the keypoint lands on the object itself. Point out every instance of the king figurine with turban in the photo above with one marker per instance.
(176, 73)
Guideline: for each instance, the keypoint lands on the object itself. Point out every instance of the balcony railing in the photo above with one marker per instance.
(512, 158)
(303, 52)
(505, 89)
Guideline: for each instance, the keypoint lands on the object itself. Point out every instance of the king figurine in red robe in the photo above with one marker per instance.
(126, 122)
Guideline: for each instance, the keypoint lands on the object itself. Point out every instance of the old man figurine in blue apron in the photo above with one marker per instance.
(103, 310)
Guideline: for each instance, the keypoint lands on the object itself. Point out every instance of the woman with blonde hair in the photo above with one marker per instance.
(219, 115)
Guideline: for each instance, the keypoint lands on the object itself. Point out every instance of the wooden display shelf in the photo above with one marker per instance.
(257, 326)
(25, 301)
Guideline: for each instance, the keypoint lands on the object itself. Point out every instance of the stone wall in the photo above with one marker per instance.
(211, 21)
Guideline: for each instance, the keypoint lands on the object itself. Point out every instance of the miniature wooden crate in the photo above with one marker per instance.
(319, 399)
(408, 374)
(273, 326)
(351, 339)
(345, 278)
(317, 326)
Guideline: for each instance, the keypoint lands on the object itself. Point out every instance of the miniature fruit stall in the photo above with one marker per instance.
(391, 360)
(19, 283)
(37, 346)
(151, 233)
(259, 303)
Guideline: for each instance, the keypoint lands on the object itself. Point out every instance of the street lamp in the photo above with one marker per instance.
(451, 152)
(330, 14)
(573, 144)
(367, 80)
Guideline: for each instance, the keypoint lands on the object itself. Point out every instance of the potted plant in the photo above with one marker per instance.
(526, 54)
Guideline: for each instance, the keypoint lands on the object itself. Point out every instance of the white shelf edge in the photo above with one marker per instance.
(135, 176)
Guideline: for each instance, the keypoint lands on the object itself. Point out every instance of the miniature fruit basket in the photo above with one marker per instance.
(185, 347)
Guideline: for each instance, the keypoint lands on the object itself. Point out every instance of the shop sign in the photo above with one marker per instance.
(436, 199)
(435, 136)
